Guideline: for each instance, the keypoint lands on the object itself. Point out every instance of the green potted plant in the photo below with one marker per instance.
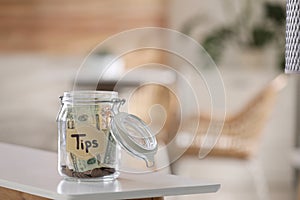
(268, 29)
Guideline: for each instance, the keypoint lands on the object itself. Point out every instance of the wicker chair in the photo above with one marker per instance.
(241, 132)
(164, 118)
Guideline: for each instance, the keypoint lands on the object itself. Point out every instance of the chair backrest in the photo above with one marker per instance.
(241, 132)
(154, 104)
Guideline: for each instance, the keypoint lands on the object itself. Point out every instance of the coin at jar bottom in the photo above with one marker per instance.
(90, 174)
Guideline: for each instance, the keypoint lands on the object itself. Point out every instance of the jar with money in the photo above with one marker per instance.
(91, 131)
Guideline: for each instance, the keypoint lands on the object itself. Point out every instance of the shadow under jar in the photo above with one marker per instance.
(90, 132)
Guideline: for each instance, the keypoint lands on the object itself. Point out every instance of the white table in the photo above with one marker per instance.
(34, 172)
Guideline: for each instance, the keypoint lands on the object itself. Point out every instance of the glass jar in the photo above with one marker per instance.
(91, 130)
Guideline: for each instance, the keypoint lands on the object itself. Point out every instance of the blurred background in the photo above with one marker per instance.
(43, 43)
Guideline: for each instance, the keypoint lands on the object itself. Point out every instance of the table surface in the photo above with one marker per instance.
(34, 171)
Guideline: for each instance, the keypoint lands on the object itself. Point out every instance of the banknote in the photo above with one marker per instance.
(110, 152)
(82, 165)
(97, 115)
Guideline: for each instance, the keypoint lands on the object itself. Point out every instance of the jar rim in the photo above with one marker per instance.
(89, 92)
(86, 96)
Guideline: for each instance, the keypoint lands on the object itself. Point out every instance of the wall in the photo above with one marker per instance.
(70, 26)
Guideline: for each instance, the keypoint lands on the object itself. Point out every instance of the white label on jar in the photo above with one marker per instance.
(86, 141)
(87, 148)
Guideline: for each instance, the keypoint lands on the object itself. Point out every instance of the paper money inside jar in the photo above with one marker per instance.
(91, 131)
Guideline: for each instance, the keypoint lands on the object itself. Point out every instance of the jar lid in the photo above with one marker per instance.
(134, 136)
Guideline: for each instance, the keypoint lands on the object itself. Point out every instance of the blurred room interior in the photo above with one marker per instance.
(43, 44)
